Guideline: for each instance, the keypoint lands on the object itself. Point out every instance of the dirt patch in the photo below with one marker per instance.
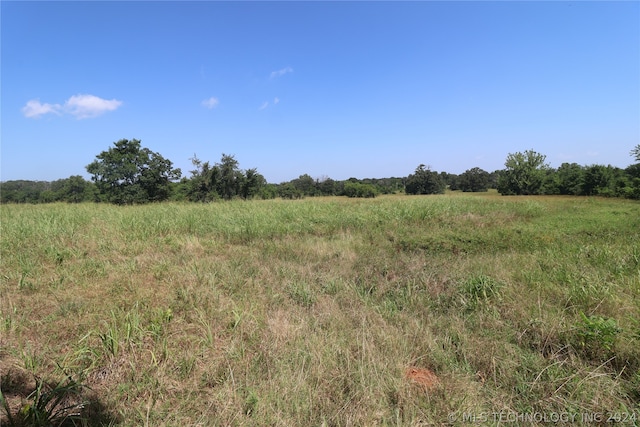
(423, 377)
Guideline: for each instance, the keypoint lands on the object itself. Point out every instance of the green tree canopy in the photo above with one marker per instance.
(306, 184)
(223, 180)
(474, 180)
(289, 191)
(358, 189)
(127, 173)
(22, 191)
(327, 186)
(633, 172)
(524, 174)
(252, 184)
(424, 181)
(570, 177)
(73, 189)
(231, 178)
(201, 186)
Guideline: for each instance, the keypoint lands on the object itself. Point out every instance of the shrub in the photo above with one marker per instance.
(356, 189)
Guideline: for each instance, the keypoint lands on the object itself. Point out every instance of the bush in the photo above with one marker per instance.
(289, 191)
(356, 189)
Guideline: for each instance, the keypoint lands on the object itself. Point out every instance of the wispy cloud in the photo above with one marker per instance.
(281, 72)
(35, 109)
(210, 103)
(265, 104)
(80, 106)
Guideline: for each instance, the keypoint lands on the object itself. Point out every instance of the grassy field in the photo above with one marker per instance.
(317, 311)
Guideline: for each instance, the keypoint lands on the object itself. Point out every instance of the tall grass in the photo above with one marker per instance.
(309, 312)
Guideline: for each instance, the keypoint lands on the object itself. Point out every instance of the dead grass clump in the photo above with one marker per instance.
(281, 328)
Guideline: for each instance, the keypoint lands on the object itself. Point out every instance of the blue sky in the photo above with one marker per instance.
(330, 89)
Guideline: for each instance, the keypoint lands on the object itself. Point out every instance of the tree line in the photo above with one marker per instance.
(128, 173)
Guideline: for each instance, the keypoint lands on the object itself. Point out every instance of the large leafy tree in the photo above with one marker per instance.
(607, 181)
(524, 173)
(327, 186)
(570, 178)
(128, 173)
(633, 172)
(231, 177)
(223, 180)
(474, 180)
(451, 180)
(289, 191)
(424, 181)
(306, 184)
(201, 186)
(253, 183)
(73, 189)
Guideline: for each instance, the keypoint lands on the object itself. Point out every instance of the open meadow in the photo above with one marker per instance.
(400, 310)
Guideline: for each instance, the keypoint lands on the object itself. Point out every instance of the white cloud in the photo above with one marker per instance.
(80, 106)
(281, 72)
(276, 100)
(35, 109)
(87, 106)
(210, 103)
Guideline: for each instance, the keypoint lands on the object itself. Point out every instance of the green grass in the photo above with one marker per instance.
(309, 312)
